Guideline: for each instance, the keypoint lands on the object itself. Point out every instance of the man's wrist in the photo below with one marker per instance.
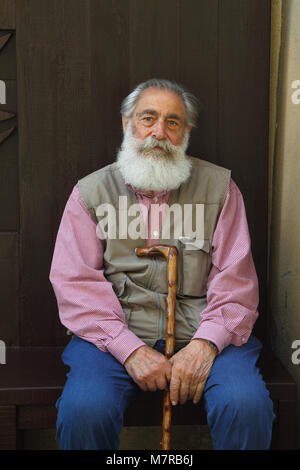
(211, 344)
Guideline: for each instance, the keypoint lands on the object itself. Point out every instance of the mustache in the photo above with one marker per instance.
(151, 142)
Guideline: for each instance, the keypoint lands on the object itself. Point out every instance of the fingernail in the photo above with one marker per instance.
(174, 403)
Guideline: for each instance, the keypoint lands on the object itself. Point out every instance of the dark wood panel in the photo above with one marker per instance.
(73, 64)
(9, 178)
(78, 61)
(243, 88)
(9, 287)
(8, 69)
(36, 417)
(8, 432)
(7, 16)
(154, 40)
(109, 80)
(9, 172)
(32, 376)
(243, 116)
(178, 43)
(33, 379)
(198, 71)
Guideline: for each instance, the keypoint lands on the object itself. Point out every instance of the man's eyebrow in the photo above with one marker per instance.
(147, 111)
(174, 116)
(155, 113)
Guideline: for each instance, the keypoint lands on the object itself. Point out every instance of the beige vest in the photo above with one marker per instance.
(141, 282)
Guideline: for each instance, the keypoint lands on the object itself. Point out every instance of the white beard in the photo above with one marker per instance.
(153, 170)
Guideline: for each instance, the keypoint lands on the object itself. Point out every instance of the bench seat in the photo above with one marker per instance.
(33, 378)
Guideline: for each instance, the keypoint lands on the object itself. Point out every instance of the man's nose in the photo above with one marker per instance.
(159, 130)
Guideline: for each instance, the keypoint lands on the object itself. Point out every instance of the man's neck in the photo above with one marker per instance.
(145, 193)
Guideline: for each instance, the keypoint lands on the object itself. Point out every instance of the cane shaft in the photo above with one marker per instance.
(166, 422)
(170, 253)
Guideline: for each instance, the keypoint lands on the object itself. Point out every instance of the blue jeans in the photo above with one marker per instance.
(98, 390)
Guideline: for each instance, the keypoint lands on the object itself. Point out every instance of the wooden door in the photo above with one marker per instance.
(66, 66)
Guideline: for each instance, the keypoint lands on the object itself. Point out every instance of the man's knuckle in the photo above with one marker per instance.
(142, 377)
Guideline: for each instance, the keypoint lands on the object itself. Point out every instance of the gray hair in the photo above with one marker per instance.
(189, 100)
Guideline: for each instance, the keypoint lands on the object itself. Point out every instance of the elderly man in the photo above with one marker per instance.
(114, 302)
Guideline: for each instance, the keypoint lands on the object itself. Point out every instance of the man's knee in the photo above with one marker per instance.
(245, 400)
(86, 411)
(88, 423)
(241, 416)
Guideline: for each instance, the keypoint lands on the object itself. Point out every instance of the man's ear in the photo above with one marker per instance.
(124, 122)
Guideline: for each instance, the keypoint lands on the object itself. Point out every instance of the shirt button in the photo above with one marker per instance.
(155, 233)
(155, 199)
(243, 340)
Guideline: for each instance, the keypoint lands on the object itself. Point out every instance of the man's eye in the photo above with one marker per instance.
(148, 118)
(172, 123)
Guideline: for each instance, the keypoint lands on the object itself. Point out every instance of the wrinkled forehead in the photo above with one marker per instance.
(162, 102)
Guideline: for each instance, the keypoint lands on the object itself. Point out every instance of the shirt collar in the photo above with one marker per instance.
(149, 194)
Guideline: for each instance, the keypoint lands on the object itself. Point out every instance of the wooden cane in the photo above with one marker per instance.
(171, 255)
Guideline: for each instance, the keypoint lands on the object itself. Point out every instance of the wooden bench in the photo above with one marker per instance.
(32, 379)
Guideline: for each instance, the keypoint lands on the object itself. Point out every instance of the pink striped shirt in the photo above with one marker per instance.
(89, 307)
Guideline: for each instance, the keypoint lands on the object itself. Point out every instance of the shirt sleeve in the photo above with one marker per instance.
(87, 303)
(232, 285)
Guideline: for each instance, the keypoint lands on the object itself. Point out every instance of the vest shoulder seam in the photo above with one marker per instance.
(205, 163)
(112, 167)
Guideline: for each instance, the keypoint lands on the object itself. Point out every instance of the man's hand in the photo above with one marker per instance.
(190, 369)
(149, 369)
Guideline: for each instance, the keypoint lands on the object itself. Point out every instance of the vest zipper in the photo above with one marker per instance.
(153, 272)
(162, 321)
(162, 315)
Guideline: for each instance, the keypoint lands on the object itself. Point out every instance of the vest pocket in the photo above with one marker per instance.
(119, 286)
(140, 307)
(121, 292)
(196, 265)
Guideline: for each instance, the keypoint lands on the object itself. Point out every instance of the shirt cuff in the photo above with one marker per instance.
(215, 333)
(123, 345)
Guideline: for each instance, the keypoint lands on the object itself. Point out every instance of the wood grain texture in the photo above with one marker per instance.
(9, 287)
(170, 254)
(74, 72)
(8, 432)
(9, 172)
(33, 379)
(4, 115)
(154, 40)
(5, 134)
(77, 61)
(8, 68)
(36, 417)
(4, 39)
(198, 70)
(243, 98)
(7, 16)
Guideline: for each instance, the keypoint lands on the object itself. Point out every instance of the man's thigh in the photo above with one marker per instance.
(236, 363)
(236, 399)
(96, 376)
(235, 372)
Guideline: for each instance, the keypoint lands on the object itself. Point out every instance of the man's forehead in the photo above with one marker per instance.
(161, 101)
